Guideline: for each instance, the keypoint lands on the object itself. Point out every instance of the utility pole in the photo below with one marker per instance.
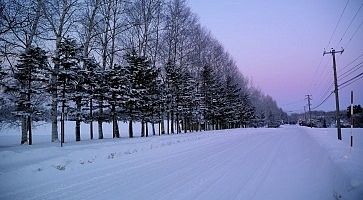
(305, 113)
(333, 52)
(351, 119)
(309, 98)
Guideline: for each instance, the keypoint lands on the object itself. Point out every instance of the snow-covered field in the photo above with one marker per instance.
(286, 163)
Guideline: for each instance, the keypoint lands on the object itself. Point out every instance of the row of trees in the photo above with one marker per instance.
(109, 60)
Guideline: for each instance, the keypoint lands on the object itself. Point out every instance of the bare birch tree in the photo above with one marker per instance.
(19, 21)
(60, 15)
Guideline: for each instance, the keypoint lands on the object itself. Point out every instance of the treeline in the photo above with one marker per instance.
(109, 60)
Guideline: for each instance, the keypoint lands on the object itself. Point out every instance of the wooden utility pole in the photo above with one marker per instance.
(333, 52)
(309, 104)
(351, 118)
(305, 114)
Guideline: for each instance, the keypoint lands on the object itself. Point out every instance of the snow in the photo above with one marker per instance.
(285, 163)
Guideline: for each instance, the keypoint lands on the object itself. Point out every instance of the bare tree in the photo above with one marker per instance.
(87, 34)
(60, 15)
(19, 22)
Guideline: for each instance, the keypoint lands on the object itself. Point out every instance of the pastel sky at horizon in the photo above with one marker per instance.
(279, 46)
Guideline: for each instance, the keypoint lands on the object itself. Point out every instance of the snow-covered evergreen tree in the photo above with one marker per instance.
(212, 93)
(101, 88)
(137, 87)
(150, 99)
(185, 98)
(28, 82)
(117, 95)
(90, 67)
(172, 77)
(232, 103)
(67, 82)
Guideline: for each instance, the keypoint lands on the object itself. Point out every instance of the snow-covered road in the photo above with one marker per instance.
(284, 163)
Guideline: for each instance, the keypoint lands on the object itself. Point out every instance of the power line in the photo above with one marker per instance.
(351, 71)
(323, 77)
(351, 83)
(298, 110)
(314, 81)
(336, 26)
(328, 89)
(361, 74)
(351, 22)
(351, 62)
(355, 32)
(323, 101)
(323, 72)
(294, 102)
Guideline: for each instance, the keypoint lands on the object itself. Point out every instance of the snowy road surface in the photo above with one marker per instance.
(284, 163)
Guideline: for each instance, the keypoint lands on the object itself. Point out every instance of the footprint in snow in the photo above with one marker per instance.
(111, 155)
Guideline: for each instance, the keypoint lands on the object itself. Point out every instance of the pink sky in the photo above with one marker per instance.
(279, 44)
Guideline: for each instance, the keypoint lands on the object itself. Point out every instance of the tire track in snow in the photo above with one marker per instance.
(89, 173)
(214, 160)
(224, 165)
(107, 171)
(139, 173)
(237, 177)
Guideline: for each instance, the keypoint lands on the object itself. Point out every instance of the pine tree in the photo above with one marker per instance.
(185, 98)
(101, 87)
(233, 103)
(246, 110)
(137, 87)
(89, 85)
(150, 98)
(117, 94)
(172, 81)
(29, 81)
(211, 91)
(68, 79)
(79, 97)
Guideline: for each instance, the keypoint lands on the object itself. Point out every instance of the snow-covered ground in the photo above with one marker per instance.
(286, 163)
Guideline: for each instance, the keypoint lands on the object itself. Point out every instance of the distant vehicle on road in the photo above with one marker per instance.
(273, 125)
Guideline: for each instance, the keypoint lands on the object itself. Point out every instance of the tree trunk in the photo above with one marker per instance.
(62, 117)
(131, 133)
(113, 126)
(78, 120)
(159, 128)
(162, 129)
(177, 123)
(24, 130)
(62, 121)
(153, 126)
(147, 129)
(116, 132)
(100, 130)
(142, 128)
(30, 130)
(168, 123)
(100, 120)
(53, 82)
(113, 121)
(185, 124)
(78, 130)
(172, 122)
(117, 129)
(54, 114)
(91, 118)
